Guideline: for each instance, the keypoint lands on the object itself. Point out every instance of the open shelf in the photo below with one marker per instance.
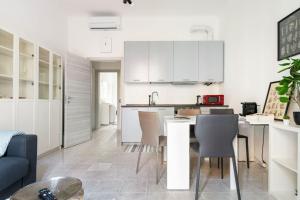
(284, 159)
(290, 164)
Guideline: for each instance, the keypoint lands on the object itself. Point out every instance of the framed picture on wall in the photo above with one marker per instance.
(289, 35)
(272, 103)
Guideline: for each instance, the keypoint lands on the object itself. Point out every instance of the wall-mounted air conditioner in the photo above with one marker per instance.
(105, 23)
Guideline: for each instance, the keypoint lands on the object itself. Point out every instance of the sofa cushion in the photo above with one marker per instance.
(12, 169)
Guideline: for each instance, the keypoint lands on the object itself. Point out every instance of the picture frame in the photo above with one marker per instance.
(273, 105)
(288, 35)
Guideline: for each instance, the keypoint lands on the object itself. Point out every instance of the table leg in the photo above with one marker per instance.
(178, 154)
(232, 180)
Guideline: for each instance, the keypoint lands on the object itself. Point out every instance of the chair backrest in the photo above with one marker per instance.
(189, 112)
(215, 134)
(150, 125)
(225, 111)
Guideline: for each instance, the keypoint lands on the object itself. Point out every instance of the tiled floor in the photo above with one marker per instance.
(108, 173)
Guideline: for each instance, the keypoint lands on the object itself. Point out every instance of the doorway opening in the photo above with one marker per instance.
(106, 97)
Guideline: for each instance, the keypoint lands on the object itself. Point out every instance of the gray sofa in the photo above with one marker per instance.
(18, 165)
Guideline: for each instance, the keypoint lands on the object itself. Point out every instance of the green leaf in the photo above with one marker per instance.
(285, 81)
(284, 69)
(282, 90)
(284, 99)
(284, 64)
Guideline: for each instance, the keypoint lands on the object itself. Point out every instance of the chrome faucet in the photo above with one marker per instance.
(152, 94)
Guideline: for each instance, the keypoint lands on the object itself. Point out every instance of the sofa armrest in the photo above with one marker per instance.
(25, 146)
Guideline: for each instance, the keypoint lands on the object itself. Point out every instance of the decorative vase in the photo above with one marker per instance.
(296, 117)
(286, 122)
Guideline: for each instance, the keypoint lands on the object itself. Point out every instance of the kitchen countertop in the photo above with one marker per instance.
(171, 105)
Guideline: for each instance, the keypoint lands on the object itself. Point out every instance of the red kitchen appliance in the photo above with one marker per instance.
(217, 99)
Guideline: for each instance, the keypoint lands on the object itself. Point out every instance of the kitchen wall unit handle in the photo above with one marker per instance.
(137, 80)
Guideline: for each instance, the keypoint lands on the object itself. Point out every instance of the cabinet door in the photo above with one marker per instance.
(131, 130)
(160, 61)
(163, 111)
(186, 61)
(55, 124)
(136, 61)
(211, 61)
(42, 126)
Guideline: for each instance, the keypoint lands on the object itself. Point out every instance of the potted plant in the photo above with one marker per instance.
(289, 86)
(286, 120)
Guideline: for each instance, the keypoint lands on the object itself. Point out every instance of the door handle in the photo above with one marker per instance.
(68, 99)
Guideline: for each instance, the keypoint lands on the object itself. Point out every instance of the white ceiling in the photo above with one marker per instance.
(145, 7)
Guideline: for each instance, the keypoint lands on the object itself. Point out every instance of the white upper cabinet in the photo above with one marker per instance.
(211, 61)
(160, 61)
(136, 62)
(186, 61)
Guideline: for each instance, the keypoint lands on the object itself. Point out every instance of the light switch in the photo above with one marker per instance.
(106, 45)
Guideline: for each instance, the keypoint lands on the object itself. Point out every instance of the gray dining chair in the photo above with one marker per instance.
(215, 134)
(230, 111)
(151, 135)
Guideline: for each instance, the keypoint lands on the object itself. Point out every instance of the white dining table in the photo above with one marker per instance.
(178, 153)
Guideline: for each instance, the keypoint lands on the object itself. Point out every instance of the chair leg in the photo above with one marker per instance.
(247, 152)
(162, 154)
(198, 177)
(222, 169)
(209, 162)
(139, 158)
(218, 162)
(236, 178)
(157, 164)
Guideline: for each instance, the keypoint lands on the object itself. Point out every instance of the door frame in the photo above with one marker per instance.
(120, 74)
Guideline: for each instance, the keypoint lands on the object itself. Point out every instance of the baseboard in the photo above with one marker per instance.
(49, 152)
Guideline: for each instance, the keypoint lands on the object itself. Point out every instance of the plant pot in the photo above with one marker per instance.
(296, 117)
(286, 122)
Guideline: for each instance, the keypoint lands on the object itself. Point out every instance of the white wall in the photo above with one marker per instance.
(250, 32)
(249, 29)
(40, 21)
(87, 43)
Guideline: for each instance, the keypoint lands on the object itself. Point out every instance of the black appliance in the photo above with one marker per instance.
(198, 100)
(249, 108)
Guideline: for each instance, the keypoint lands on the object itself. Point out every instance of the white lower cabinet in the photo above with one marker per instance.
(55, 124)
(43, 126)
(25, 116)
(6, 116)
(131, 130)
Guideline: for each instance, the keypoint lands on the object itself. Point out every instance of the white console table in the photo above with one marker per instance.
(284, 168)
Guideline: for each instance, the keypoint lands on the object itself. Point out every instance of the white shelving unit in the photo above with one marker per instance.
(44, 73)
(57, 76)
(6, 64)
(28, 99)
(26, 70)
(284, 179)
